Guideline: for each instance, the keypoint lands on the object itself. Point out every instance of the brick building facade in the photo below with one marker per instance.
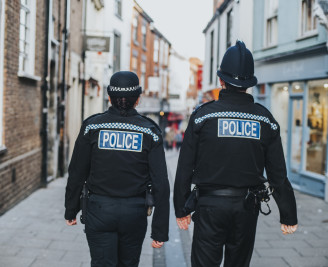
(34, 78)
(20, 157)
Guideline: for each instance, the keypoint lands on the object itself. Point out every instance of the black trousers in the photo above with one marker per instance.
(115, 230)
(223, 222)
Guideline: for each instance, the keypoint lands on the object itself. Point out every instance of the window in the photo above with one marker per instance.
(156, 49)
(229, 28)
(118, 8)
(271, 12)
(166, 54)
(117, 52)
(211, 56)
(144, 34)
(134, 64)
(316, 127)
(2, 22)
(27, 37)
(308, 20)
(135, 24)
(279, 109)
(143, 76)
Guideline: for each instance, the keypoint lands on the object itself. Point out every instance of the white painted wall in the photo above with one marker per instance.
(100, 67)
(242, 29)
(179, 82)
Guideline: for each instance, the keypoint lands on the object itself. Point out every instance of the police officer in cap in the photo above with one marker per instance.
(119, 153)
(227, 146)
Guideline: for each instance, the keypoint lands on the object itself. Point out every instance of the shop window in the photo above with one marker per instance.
(271, 21)
(279, 110)
(316, 128)
(27, 37)
(297, 88)
(229, 28)
(260, 94)
(308, 19)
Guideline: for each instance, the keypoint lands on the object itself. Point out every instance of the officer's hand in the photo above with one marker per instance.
(184, 222)
(71, 222)
(288, 229)
(157, 244)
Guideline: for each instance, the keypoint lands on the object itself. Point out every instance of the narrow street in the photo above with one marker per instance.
(34, 234)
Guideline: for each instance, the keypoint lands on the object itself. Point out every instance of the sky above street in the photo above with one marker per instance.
(182, 22)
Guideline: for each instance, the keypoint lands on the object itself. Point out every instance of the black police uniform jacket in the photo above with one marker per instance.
(118, 156)
(228, 143)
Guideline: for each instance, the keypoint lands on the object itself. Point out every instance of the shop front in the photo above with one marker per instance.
(296, 92)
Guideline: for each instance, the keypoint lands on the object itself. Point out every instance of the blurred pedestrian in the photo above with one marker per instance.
(178, 139)
(227, 145)
(118, 153)
(169, 138)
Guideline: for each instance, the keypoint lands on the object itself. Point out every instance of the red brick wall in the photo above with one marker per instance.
(20, 165)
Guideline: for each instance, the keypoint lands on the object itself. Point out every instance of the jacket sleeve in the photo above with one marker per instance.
(78, 172)
(277, 175)
(161, 191)
(185, 169)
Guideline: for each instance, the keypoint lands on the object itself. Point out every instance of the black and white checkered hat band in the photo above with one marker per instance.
(124, 91)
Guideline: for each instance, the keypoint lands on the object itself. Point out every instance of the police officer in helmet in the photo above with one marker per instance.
(119, 153)
(227, 146)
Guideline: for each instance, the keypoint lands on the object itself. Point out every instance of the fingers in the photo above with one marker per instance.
(188, 219)
(182, 223)
(288, 229)
(71, 222)
(156, 244)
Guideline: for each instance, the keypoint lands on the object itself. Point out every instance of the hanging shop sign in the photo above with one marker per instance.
(97, 43)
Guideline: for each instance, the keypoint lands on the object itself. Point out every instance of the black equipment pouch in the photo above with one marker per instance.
(83, 203)
(150, 202)
(255, 197)
(191, 203)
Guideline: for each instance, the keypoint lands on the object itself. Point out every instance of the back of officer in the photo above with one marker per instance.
(118, 153)
(227, 145)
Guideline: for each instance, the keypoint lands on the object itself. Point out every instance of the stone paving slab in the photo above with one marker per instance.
(34, 233)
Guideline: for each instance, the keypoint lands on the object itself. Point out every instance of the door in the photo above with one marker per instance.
(295, 139)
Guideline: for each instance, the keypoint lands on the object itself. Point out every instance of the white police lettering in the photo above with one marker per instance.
(119, 140)
(239, 128)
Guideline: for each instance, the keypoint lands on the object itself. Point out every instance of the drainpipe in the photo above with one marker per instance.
(83, 58)
(44, 88)
(62, 156)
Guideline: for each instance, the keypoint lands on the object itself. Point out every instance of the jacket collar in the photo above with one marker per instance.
(235, 97)
(116, 111)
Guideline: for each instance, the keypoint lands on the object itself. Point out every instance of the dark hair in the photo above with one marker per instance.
(124, 104)
(235, 88)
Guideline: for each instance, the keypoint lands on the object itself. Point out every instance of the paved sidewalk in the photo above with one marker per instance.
(34, 233)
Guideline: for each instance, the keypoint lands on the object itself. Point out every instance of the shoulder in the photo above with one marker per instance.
(264, 111)
(201, 107)
(150, 123)
(92, 118)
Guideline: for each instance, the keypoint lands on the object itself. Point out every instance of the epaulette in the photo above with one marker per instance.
(200, 106)
(94, 115)
(155, 124)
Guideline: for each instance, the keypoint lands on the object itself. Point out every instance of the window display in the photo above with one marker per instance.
(316, 133)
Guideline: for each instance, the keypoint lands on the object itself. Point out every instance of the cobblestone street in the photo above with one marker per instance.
(34, 233)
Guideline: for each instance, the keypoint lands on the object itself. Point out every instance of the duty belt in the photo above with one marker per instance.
(231, 192)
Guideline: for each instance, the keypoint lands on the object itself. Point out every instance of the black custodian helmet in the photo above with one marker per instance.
(124, 84)
(237, 66)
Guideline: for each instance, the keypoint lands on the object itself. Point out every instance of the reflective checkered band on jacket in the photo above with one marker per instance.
(239, 115)
(114, 88)
(124, 126)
